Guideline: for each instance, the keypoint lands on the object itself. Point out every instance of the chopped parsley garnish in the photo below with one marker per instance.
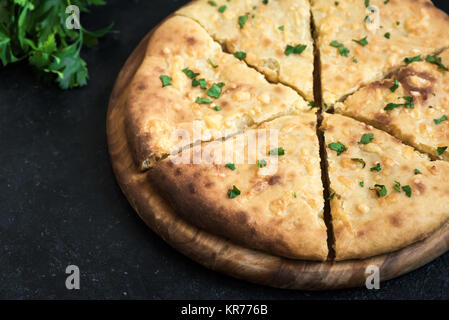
(417, 171)
(367, 138)
(398, 23)
(377, 168)
(336, 3)
(360, 160)
(397, 186)
(355, 60)
(367, 3)
(212, 3)
(395, 86)
(407, 190)
(438, 121)
(278, 151)
(234, 192)
(441, 150)
(166, 81)
(242, 21)
(298, 49)
(311, 104)
(294, 195)
(387, 35)
(362, 42)
(332, 196)
(214, 91)
(213, 65)
(190, 73)
(261, 163)
(240, 55)
(338, 146)
(437, 61)
(381, 190)
(265, 1)
(281, 28)
(221, 84)
(386, 1)
(412, 59)
(343, 51)
(222, 9)
(203, 100)
(362, 183)
(201, 83)
(408, 104)
(230, 166)
(217, 108)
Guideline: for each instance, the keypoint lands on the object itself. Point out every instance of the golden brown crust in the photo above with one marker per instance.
(280, 212)
(366, 223)
(155, 112)
(428, 85)
(414, 27)
(270, 28)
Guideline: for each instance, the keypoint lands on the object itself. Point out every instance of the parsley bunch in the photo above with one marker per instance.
(35, 30)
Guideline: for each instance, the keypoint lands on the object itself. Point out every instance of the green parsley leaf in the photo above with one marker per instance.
(343, 51)
(395, 86)
(392, 106)
(336, 3)
(362, 183)
(240, 55)
(397, 186)
(203, 100)
(407, 190)
(242, 21)
(217, 108)
(278, 151)
(367, 3)
(441, 150)
(311, 104)
(261, 163)
(437, 61)
(338, 146)
(438, 121)
(212, 3)
(166, 81)
(234, 192)
(363, 42)
(367, 138)
(332, 196)
(361, 161)
(190, 73)
(417, 172)
(377, 168)
(265, 1)
(213, 65)
(412, 59)
(386, 1)
(294, 195)
(298, 49)
(281, 28)
(230, 166)
(214, 91)
(409, 102)
(201, 83)
(381, 190)
(222, 9)
(387, 35)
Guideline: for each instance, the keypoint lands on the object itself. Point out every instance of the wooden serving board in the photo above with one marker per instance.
(222, 255)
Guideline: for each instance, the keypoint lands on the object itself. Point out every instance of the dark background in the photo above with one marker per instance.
(60, 203)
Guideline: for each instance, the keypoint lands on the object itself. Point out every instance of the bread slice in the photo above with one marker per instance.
(384, 194)
(423, 124)
(267, 202)
(185, 82)
(363, 41)
(263, 31)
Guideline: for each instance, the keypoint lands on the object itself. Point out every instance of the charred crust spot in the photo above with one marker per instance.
(209, 184)
(419, 186)
(274, 180)
(395, 220)
(405, 76)
(241, 217)
(141, 86)
(191, 41)
(192, 188)
(382, 118)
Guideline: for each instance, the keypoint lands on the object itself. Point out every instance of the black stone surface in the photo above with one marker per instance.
(60, 203)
